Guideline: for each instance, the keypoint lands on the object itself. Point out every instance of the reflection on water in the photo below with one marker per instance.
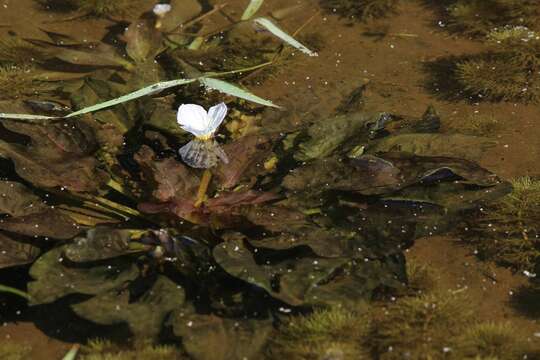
(296, 228)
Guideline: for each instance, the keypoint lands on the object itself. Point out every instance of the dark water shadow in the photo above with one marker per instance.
(441, 80)
(526, 300)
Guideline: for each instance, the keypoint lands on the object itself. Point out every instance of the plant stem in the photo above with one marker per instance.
(203, 187)
(14, 291)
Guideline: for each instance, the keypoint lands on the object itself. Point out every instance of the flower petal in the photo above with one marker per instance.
(193, 118)
(216, 114)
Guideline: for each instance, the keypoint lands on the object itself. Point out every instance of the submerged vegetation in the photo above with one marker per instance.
(479, 17)
(102, 8)
(507, 71)
(433, 325)
(361, 10)
(507, 231)
(304, 227)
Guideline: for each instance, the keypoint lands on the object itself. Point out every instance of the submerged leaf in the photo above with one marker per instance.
(247, 155)
(99, 243)
(50, 223)
(55, 277)
(145, 316)
(209, 337)
(101, 55)
(451, 145)
(143, 41)
(17, 200)
(58, 155)
(14, 253)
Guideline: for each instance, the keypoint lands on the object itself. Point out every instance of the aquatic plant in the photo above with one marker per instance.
(360, 10)
(15, 51)
(495, 340)
(477, 124)
(418, 327)
(507, 231)
(320, 334)
(479, 17)
(508, 71)
(99, 349)
(10, 350)
(19, 80)
(102, 8)
(422, 279)
(203, 152)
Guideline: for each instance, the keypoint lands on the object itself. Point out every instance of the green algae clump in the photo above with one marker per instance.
(507, 231)
(509, 71)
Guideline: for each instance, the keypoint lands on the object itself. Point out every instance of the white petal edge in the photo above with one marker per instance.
(216, 114)
(193, 118)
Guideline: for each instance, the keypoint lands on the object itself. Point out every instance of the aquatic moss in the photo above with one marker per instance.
(15, 51)
(422, 278)
(508, 71)
(507, 231)
(99, 349)
(418, 327)
(479, 17)
(17, 81)
(10, 350)
(324, 333)
(477, 124)
(100, 8)
(430, 326)
(361, 10)
(494, 340)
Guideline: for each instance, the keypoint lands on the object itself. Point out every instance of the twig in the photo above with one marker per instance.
(197, 19)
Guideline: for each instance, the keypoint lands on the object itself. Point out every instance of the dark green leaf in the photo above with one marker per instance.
(144, 316)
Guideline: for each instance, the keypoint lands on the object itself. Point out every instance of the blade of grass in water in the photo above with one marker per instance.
(252, 8)
(14, 291)
(274, 29)
(234, 90)
(150, 90)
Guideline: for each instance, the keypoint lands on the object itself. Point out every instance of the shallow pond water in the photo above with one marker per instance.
(365, 184)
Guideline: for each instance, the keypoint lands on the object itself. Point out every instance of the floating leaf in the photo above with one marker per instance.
(234, 90)
(251, 9)
(145, 315)
(274, 29)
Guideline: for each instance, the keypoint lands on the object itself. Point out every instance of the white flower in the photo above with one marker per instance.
(194, 119)
(203, 151)
(161, 9)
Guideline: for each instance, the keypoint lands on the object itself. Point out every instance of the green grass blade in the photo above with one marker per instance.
(14, 291)
(252, 8)
(149, 90)
(28, 117)
(234, 90)
(274, 29)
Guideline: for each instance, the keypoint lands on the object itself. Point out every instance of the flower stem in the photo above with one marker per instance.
(203, 187)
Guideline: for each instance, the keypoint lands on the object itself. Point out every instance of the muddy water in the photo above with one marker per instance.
(393, 68)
